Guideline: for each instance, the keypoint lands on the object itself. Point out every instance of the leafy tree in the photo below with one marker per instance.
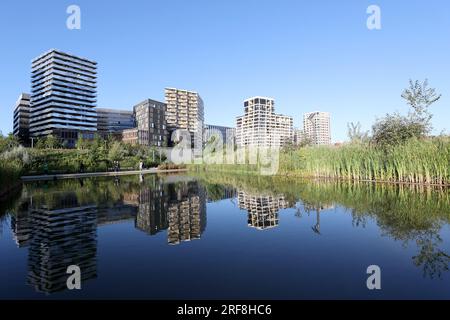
(8, 143)
(420, 97)
(397, 129)
(117, 152)
(51, 142)
(81, 143)
(304, 140)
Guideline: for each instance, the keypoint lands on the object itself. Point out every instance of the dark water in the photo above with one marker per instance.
(224, 237)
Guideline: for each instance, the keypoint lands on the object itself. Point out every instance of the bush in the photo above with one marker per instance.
(171, 166)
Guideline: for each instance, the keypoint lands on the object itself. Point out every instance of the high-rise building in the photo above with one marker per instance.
(316, 127)
(228, 134)
(185, 110)
(113, 121)
(151, 128)
(21, 122)
(63, 97)
(260, 126)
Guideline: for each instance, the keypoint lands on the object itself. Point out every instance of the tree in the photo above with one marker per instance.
(419, 97)
(8, 143)
(51, 142)
(117, 152)
(81, 143)
(303, 140)
(396, 129)
(393, 130)
(355, 134)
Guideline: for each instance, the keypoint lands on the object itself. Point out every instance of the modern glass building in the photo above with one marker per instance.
(113, 121)
(63, 97)
(21, 122)
(227, 133)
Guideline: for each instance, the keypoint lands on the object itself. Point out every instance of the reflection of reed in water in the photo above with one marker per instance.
(186, 212)
(262, 209)
(60, 238)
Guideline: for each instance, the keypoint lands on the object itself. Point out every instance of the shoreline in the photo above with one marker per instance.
(324, 178)
(63, 176)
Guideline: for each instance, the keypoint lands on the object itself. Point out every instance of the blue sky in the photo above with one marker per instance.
(308, 55)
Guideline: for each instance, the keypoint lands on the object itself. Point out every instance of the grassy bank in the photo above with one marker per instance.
(417, 162)
(9, 177)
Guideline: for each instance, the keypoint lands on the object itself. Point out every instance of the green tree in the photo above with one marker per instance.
(117, 152)
(396, 129)
(420, 97)
(8, 143)
(51, 142)
(81, 143)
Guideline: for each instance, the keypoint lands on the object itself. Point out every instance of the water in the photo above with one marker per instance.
(221, 236)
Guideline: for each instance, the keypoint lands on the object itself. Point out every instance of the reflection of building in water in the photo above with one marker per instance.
(20, 225)
(220, 192)
(262, 209)
(58, 233)
(59, 238)
(186, 212)
(152, 209)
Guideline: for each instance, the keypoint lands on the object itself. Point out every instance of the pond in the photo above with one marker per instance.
(221, 236)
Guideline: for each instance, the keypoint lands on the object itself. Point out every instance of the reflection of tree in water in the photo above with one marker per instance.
(403, 213)
(433, 260)
(2, 222)
(317, 208)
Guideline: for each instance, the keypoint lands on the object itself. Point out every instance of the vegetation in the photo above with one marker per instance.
(416, 161)
(398, 150)
(412, 214)
(92, 156)
(13, 158)
(48, 157)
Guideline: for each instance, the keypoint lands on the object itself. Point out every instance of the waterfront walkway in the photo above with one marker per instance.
(97, 174)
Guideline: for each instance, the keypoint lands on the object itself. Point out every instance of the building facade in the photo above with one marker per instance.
(113, 121)
(21, 119)
(63, 97)
(260, 126)
(316, 127)
(228, 134)
(150, 125)
(185, 110)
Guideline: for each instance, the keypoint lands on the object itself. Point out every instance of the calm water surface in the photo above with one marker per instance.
(219, 236)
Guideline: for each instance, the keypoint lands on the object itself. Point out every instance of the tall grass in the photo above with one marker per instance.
(424, 161)
(9, 175)
(417, 161)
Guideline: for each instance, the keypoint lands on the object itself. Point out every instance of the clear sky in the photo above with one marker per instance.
(308, 55)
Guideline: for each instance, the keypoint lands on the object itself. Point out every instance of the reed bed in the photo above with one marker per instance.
(417, 162)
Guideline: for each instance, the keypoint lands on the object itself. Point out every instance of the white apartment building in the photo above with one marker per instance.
(316, 127)
(260, 126)
(185, 110)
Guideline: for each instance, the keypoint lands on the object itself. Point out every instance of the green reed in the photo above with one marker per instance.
(417, 161)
